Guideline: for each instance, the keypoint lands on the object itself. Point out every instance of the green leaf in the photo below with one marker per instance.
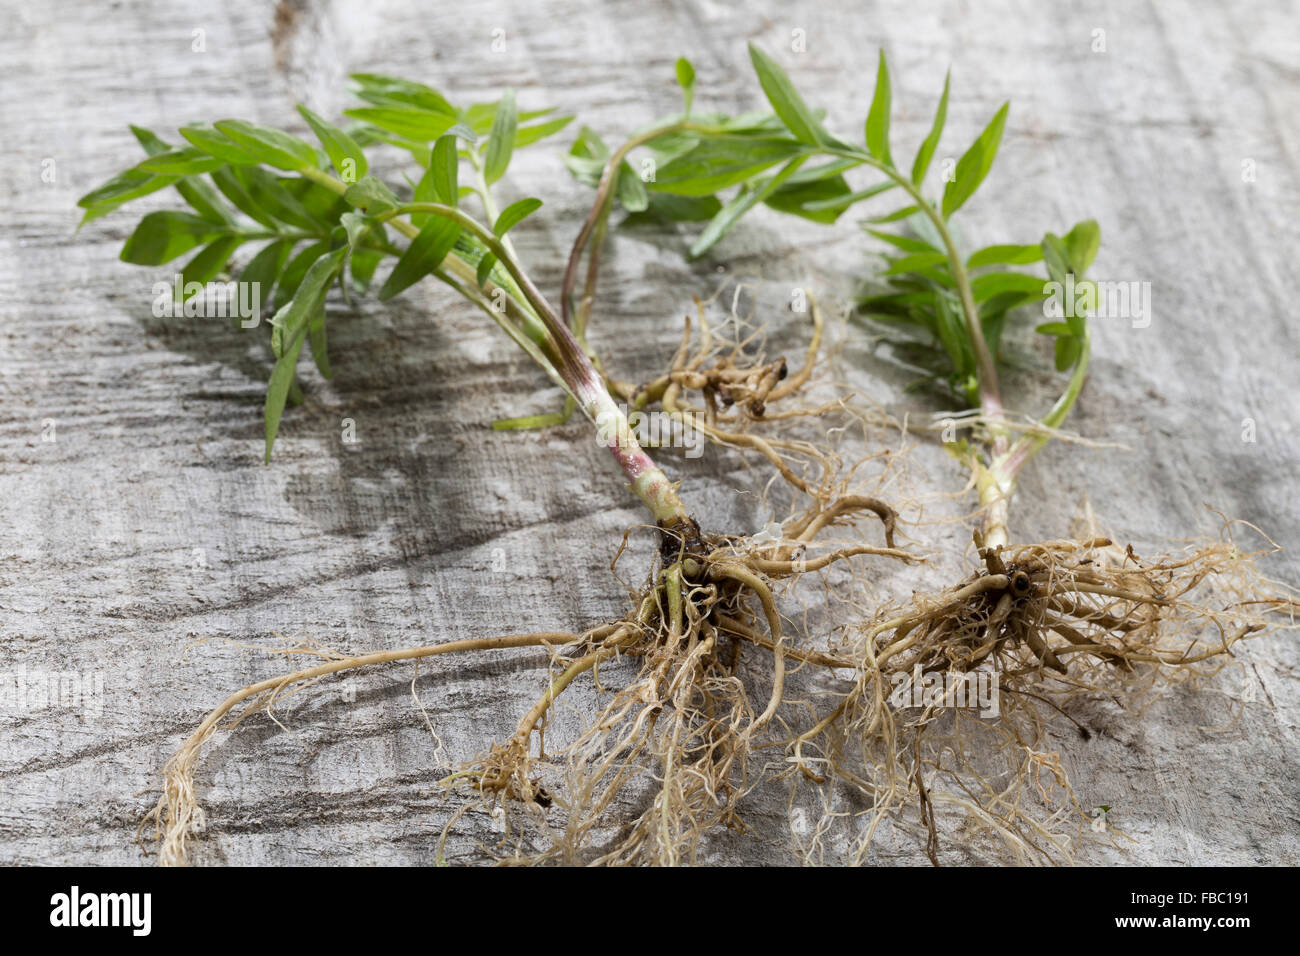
(269, 195)
(994, 310)
(162, 236)
(479, 117)
(417, 124)
(527, 135)
(265, 267)
(1082, 243)
(669, 146)
(484, 269)
(437, 237)
(719, 162)
(277, 390)
(210, 260)
(322, 204)
(975, 164)
(128, 184)
(294, 272)
(345, 155)
(440, 182)
(501, 141)
(319, 344)
(182, 162)
(372, 195)
(1054, 328)
(787, 103)
(218, 144)
(751, 123)
(828, 170)
(894, 216)
(994, 283)
(906, 243)
(730, 214)
(355, 225)
(444, 171)
(686, 80)
(125, 186)
(514, 214)
(271, 146)
(915, 262)
(1068, 350)
(631, 189)
(232, 187)
(290, 320)
(201, 196)
(1015, 255)
(952, 334)
(149, 141)
(822, 200)
(993, 323)
(377, 88)
(877, 131)
(665, 206)
(1056, 257)
(587, 157)
(362, 264)
(921, 165)
(839, 203)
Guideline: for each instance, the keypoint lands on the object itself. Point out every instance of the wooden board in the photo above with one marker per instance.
(149, 521)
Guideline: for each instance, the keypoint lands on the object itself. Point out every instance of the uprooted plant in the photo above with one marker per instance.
(1053, 619)
(688, 724)
(709, 592)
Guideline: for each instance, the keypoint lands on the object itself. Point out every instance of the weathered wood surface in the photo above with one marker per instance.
(150, 521)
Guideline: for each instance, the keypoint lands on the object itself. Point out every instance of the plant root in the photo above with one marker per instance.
(1040, 624)
(687, 723)
(687, 720)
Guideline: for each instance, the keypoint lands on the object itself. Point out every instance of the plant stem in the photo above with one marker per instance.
(990, 394)
(994, 482)
(572, 365)
(532, 327)
(648, 482)
(997, 482)
(484, 192)
(594, 226)
(595, 220)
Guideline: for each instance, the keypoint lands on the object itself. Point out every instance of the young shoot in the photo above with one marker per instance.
(713, 168)
(322, 219)
(1052, 619)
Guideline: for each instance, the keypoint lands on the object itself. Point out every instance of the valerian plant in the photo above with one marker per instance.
(1088, 602)
(715, 168)
(688, 724)
(323, 219)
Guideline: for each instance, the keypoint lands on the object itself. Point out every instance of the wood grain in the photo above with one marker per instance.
(150, 521)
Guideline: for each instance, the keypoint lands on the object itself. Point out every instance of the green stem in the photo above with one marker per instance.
(454, 264)
(1032, 443)
(594, 224)
(990, 394)
(579, 375)
(485, 196)
(572, 367)
(997, 482)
